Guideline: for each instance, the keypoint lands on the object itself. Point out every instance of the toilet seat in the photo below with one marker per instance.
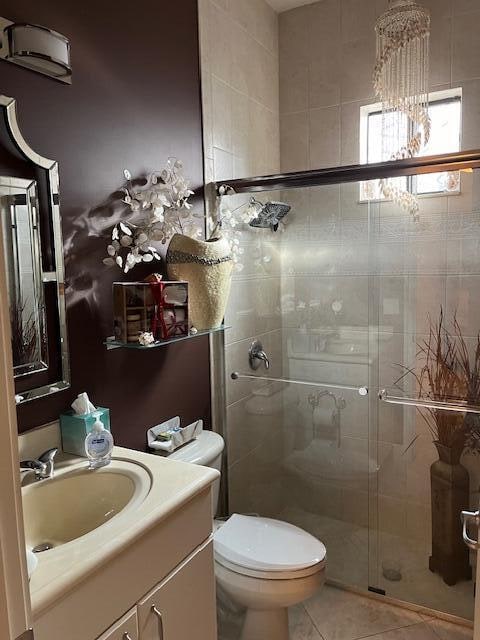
(267, 549)
(269, 575)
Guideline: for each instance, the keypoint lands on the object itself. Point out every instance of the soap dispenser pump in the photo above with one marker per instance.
(98, 446)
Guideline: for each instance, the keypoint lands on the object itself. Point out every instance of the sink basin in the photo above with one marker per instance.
(77, 501)
(341, 347)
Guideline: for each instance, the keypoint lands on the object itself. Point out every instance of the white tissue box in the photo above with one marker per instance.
(75, 428)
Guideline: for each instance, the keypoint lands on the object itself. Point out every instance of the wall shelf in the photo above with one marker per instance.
(111, 343)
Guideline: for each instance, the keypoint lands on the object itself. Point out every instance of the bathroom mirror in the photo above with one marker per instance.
(33, 250)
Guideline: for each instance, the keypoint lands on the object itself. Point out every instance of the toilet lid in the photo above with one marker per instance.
(263, 544)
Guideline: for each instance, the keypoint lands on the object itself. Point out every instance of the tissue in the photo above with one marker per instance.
(82, 405)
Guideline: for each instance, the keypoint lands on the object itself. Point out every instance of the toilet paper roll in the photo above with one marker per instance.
(322, 417)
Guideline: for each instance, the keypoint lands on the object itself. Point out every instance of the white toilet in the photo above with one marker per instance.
(262, 564)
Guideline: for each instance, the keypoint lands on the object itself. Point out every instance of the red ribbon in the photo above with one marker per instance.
(176, 328)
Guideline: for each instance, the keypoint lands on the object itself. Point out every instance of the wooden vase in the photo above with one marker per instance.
(450, 494)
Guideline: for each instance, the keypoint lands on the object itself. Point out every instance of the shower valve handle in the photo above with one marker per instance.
(257, 355)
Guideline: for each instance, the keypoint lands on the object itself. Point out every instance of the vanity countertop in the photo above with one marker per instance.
(172, 485)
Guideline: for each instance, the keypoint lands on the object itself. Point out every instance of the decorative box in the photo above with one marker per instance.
(157, 306)
(75, 428)
(169, 436)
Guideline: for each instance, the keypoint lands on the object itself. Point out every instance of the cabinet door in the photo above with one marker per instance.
(183, 606)
(124, 629)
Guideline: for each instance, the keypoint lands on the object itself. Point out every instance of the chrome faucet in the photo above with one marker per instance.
(43, 467)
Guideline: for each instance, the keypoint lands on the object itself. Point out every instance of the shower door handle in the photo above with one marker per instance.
(470, 517)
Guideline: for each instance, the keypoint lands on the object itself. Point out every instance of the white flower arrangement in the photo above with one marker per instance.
(164, 201)
(229, 224)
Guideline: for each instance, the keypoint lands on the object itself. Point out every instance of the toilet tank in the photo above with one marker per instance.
(206, 449)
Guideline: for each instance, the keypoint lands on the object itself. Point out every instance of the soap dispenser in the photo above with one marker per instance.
(98, 446)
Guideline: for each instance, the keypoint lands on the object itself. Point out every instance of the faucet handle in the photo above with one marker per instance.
(257, 355)
(32, 465)
(261, 355)
(40, 468)
(47, 459)
(48, 455)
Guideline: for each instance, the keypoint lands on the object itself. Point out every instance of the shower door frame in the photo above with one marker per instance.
(458, 161)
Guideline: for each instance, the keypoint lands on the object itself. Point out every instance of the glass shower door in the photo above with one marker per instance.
(300, 452)
(347, 297)
(423, 309)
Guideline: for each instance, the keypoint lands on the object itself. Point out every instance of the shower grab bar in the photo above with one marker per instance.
(362, 391)
(428, 404)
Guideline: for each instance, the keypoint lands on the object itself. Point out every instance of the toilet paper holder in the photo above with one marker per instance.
(339, 404)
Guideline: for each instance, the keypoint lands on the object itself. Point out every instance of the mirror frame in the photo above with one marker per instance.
(30, 189)
(8, 105)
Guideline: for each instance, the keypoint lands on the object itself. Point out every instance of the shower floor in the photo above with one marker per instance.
(348, 563)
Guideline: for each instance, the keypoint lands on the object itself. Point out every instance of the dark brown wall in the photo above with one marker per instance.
(134, 101)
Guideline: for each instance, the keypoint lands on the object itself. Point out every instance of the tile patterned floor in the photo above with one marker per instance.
(334, 614)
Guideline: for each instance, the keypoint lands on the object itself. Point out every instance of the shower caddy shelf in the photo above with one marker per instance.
(111, 343)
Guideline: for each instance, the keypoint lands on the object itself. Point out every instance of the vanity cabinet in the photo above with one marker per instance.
(124, 629)
(169, 565)
(182, 606)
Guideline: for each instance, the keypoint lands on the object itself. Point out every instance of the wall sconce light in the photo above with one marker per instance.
(36, 48)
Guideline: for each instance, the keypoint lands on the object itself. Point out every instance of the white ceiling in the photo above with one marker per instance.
(285, 5)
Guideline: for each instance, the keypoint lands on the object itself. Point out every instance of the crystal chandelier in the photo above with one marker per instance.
(401, 82)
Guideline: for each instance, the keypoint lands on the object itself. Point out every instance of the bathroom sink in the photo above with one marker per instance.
(77, 501)
(341, 347)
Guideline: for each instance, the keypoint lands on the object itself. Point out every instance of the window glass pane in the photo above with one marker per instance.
(395, 129)
(394, 135)
(445, 135)
(444, 138)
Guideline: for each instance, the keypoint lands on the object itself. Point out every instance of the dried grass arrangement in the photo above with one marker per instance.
(448, 373)
(24, 335)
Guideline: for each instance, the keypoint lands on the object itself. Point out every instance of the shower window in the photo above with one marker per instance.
(446, 120)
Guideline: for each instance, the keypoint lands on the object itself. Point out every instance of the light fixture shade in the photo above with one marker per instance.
(37, 48)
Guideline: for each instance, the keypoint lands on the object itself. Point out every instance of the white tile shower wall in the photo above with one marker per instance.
(239, 59)
(327, 52)
(240, 84)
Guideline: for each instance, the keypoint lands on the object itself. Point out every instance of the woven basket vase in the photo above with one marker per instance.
(207, 267)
